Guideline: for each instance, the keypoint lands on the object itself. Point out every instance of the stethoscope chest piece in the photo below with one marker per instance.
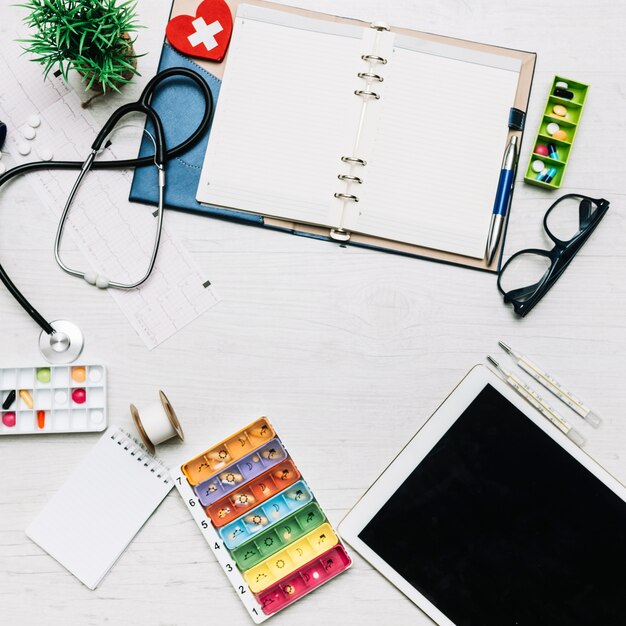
(64, 345)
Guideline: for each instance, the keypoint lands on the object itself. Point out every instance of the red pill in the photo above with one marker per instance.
(41, 419)
(8, 419)
(542, 149)
(79, 396)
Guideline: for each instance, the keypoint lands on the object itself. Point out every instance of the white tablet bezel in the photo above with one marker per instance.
(417, 449)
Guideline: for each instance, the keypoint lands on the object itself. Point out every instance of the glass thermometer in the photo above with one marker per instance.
(531, 396)
(553, 386)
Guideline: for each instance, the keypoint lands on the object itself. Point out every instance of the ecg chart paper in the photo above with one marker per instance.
(115, 235)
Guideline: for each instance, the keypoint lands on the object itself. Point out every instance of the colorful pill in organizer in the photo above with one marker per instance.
(254, 493)
(233, 476)
(270, 512)
(228, 451)
(277, 536)
(53, 399)
(263, 523)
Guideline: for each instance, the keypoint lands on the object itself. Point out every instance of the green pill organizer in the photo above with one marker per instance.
(563, 142)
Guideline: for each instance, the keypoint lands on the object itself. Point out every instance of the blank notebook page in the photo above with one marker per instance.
(433, 169)
(286, 113)
(93, 517)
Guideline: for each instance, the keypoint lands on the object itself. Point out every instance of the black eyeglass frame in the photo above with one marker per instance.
(560, 256)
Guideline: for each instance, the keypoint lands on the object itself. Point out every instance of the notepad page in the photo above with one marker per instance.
(433, 168)
(89, 522)
(286, 114)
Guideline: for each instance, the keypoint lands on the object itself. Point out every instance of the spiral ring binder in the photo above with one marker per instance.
(371, 76)
(354, 160)
(366, 92)
(374, 58)
(349, 177)
(346, 196)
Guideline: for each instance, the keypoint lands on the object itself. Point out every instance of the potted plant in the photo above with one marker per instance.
(93, 37)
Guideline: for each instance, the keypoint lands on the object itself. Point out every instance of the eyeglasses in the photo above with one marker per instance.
(529, 274)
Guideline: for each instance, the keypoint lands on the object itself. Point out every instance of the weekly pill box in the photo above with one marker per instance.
(53, 399)
(261, 519)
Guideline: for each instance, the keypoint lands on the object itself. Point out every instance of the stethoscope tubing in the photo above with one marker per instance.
(161, 156)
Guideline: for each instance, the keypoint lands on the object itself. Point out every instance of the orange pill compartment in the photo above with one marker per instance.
(205, 465)
(253, 493)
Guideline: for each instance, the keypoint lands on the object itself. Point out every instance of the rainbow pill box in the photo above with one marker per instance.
(264, 525)
(44, 399)
(568, 124)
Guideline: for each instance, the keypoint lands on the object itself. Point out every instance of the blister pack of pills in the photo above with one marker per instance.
(53, 399)
(261, 519)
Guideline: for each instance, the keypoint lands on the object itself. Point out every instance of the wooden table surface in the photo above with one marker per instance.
(348, 350)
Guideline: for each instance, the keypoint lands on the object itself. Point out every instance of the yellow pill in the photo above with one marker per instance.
(560, 110)
(79, 374)
(560, 134)
(28, 399)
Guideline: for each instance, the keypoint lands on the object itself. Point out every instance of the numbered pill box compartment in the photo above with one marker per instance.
(261, 519)
(553, 144)
(53, 399)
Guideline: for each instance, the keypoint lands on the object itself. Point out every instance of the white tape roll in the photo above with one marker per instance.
(157, 423)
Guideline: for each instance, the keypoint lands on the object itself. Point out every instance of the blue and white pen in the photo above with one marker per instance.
(503, 198)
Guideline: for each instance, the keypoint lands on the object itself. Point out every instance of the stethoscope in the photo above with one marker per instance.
(62, 341)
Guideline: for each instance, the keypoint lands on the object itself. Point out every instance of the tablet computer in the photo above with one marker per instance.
(491, 517)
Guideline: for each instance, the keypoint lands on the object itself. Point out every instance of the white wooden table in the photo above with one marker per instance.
(348, 350)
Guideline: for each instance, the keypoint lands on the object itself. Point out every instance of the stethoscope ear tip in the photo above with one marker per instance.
(65, 345)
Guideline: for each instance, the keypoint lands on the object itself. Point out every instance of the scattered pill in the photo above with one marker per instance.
(553, 151)
(552, 127)
(561, 84)
(28, 132)
(561, 135)
(560, 110)
(8, 419)
(97, 417)
(79, 374)
(541, 149)
(3, 168)
(537, 165)
(60, 397)
(551, 174)
(43, 374)
(257, 520)
(27, 398)
(563, 93)
(44, 153)
(23, 148)
(95, 374)
(79, 396)
(34, 120)
(9, 400)
(41, 419)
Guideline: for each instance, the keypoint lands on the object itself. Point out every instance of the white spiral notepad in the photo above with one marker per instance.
(91, 520)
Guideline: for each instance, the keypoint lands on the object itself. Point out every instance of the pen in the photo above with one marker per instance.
(539, 403)
(553, 386)
(503, 198)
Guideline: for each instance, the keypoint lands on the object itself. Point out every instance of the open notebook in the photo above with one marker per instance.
(391, 138)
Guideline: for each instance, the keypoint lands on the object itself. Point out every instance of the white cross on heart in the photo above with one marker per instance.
(205, 33)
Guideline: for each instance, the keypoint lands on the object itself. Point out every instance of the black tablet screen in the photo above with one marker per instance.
(499, 526)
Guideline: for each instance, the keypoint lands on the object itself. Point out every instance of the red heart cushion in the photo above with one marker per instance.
(206, 35)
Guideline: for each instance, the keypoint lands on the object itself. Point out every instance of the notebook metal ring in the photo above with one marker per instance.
(346, 196)
(354, 160)
(374, 57)
(366, 92)
(348, 177)
(370, 75)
